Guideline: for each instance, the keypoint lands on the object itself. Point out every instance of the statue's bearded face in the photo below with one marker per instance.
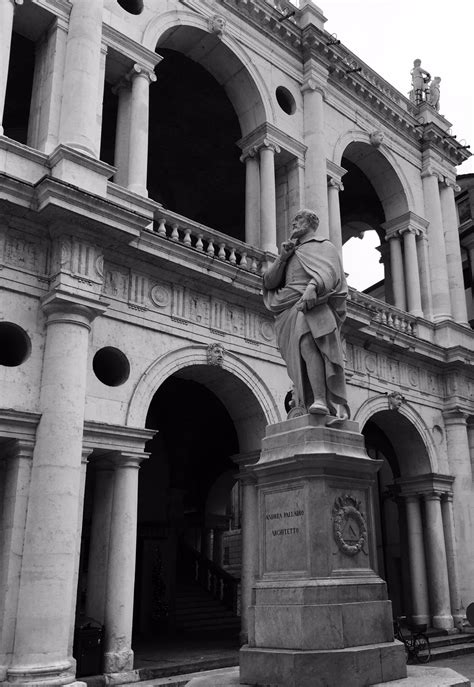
(299, 227)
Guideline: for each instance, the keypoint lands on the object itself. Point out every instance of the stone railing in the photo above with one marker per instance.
(383, 313)
(198, 237)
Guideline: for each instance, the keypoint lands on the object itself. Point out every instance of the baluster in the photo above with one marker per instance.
(254, 265)
(390, 319)
(199, 243)
(384, 316)
(175, 234)
(161, 227)
(243, 260)
(210, 248)
(232, 257)
(187, 237)
(221, 255)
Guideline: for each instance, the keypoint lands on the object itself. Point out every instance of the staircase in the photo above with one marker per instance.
(198, 612)
(445, 646)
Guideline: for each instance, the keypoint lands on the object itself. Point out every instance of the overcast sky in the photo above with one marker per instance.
(388, 36)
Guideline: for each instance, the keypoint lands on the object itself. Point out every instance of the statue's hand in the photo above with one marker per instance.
(308, 299)
(287, 249)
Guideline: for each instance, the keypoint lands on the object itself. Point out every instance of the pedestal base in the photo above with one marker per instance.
(353, 667)
(320, 613)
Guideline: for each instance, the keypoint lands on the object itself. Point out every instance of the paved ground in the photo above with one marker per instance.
(461, 664)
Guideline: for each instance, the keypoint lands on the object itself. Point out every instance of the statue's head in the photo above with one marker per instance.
(416, 63)
(304, 222)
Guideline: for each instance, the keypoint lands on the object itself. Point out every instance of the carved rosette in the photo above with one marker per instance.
(349, 525)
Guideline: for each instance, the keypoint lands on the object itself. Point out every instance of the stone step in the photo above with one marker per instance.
(449, 650)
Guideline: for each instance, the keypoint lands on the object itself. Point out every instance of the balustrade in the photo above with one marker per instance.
(209, 241)
(384, 313)
(222, 585)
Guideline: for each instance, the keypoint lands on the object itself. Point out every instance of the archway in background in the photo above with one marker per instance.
(185, 499)
(373, 194)
(392, 438)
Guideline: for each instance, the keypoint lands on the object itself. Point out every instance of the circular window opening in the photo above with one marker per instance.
(285, 100)
(15, 344)
(111, 366)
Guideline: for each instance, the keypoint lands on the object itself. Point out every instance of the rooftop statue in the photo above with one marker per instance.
(306, 290)
(419, 81)
(434, 93)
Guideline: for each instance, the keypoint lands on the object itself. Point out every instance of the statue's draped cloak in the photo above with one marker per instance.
(314, 260)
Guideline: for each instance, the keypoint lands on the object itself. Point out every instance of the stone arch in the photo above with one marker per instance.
(244, 394)
(229, 64)
(415, 436)
(387, 165)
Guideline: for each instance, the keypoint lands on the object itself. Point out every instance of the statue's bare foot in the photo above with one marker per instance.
(318, 408)
(337, 419)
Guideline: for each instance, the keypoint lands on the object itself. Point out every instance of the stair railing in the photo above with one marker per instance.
(222, 585)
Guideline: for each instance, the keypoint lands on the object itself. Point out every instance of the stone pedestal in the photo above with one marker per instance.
(320, 613)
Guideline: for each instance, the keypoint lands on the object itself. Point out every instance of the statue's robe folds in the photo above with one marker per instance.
(314, 261)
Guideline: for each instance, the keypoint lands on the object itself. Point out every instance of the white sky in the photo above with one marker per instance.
(388, 35)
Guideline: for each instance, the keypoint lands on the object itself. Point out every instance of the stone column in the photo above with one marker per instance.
(7, 8)
(267, 196)
(316, 196)
(335, 235)
(249, 549)
(122, 133)
(396, 268)
(412, 277)
(416, 560)
(138, 134)
(453, 252)
(118, 654)
(99, 542)
(47, 592)
(460, 465)
(252, 197)
(437, 247)
(424, 268)
(450, 541)
(15, 477)
(437, 564)
(81, 89)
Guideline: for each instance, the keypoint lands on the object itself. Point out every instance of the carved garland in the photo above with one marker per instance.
(345, 508)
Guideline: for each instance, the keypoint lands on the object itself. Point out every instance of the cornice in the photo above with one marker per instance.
(275, 136)
(129, 48)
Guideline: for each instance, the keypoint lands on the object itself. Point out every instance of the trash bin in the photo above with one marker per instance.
(87, 649)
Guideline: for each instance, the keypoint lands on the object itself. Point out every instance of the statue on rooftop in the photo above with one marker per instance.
(306, 290)
(434, 93)
(419, 81)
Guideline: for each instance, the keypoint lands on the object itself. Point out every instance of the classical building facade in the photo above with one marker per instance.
(149, 167)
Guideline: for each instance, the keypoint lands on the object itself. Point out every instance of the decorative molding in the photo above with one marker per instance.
(215, 354)
(349, 525)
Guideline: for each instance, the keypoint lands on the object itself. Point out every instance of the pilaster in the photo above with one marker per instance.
(453, 250)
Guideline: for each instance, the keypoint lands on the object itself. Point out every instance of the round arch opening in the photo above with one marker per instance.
(391, 438)
(189, 497)
(373, 195)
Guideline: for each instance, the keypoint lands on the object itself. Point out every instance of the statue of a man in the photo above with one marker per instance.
(306, 290)
(434, 92)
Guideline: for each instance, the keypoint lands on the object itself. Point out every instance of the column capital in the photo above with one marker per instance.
(411, 498)
(140, 70)
(433, 495)
(64, 306)
(455, 416)
(430, 171)
(449, 182)
(250, 153)
(267, 144)
(335, 183)
(312, 85)
(127, 459)
(408, 230)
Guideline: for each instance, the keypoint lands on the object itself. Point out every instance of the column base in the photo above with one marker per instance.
(366, 665)
(443, 622)
(138, 189)
(420, 619)
(43, 676)
(118, 661)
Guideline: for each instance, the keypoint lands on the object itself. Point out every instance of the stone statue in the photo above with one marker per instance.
(376, 138)
(419, 81)
(434, 93)
(395, 400)
(306, 290)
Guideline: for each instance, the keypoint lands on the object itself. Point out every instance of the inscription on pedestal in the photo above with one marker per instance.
(285, 531)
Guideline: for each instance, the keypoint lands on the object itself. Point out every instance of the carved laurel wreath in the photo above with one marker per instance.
(346, 507)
